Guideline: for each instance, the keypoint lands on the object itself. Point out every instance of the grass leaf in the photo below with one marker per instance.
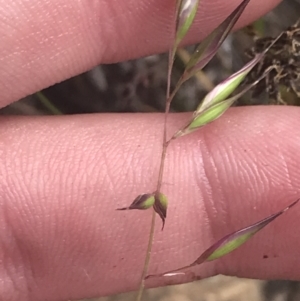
(142, 202)
(234, 240)
(160, 207)
(214, 112)
(229, 243)
(186, 13)
(228, 86)
(210, 45)
(215, 103)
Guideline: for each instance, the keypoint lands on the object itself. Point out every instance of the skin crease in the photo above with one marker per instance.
(61, 178)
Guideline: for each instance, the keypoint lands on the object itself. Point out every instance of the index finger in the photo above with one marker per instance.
(44, 42)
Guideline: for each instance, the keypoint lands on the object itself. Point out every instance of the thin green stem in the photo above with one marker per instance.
(162, 164)
(165, 144)
(172, 95)
(159, 182)
(147, 258)
(167, 109)
(47, 104)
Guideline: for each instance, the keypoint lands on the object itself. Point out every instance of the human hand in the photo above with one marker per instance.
(61, 178)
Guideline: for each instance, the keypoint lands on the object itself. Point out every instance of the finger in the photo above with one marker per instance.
(62, 179)
(46, 42)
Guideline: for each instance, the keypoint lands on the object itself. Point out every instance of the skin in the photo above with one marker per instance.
(61, 178)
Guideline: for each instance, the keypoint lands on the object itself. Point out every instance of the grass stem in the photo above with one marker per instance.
(147, 258)
(48, 104)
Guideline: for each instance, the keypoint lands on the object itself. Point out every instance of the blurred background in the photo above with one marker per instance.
(139, 86)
